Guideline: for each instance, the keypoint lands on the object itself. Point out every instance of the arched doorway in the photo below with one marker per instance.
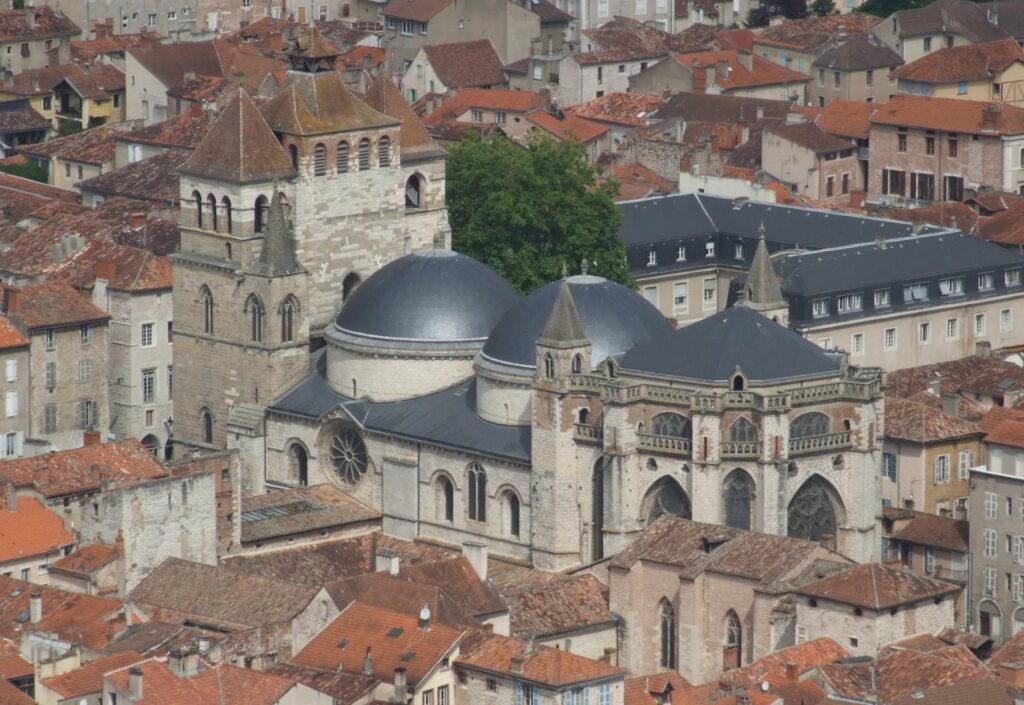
(152, 444)
(666, 497)
(814, 511)
(299, 460)
(732, 645)
(597, 510)
(738, 495)
(990, 620)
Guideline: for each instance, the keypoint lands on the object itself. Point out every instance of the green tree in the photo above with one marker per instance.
(527, 213)
(26, 170)
(823, 8)
(757, 17)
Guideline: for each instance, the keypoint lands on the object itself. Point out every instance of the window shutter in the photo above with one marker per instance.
(19, 444)
(12, 370)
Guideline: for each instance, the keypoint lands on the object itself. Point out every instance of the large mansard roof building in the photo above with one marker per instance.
(324, 328)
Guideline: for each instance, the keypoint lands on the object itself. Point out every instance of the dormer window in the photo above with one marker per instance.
(1012, 277)
(881, 298)
(986, 281)
(709, 248)
(819, 308)
(739, 250)
(680, 254)
(954, 286)
(652, 258)
(849, 303)
(915, 292)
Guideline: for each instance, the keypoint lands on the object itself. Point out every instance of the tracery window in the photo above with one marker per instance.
(674, 425)
(476, 506)
(811, 424)
(348, 456)
(742, 430)
(667, 632)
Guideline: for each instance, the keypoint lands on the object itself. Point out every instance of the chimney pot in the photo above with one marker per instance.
(137, 220)
(35, 608)
(792, 671)
(517, 664)
(12, 301)
(135, 683)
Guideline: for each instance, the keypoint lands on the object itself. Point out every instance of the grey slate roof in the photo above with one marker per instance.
(435, 295)
(614, 318)
(902, 260)
(447, 418)
(711, 350)
(943, 16)
(859, 53)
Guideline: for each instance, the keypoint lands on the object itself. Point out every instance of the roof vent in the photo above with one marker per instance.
(394, 632)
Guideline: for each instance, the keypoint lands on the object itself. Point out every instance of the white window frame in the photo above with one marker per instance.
(885, 340)
(820, 308)
(882, 298)
(966, 463)
(848, 303)
(924, 333)
(991, 505)
(681, 297)
(986, 281)
(989, 543)
(12, 370)
(651, 295)
(11, 404)
(952, 286)
(952, 328)
(979, 324)
(710, 293)
(941, 464)
(857, 344)
(1012, 277)
(1006, 320)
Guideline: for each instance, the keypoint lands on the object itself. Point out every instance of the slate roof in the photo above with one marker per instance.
(714, 348)
(88, 680)
(810, 136)
(972, 117)
(228, 600)
(466, 64)
(859, 54)
(877, 586)
(154, 178)
(763, 558)
(297, 511)
(94, 146)
(240, 147)
(973, 62)
(928, 529)
(396, 641)
(546, 666)
(50, 304)
(939, 17)
(901, 260)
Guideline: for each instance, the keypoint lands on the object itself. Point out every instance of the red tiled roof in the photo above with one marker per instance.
(393, 640)
(384, 96)
(805, 656)
(497, 99)
(971, 62)
(973, 117)
(343, 687)
(121, 463)
(30, 530)
(568, 126)
(651, 690)
(1007, 433)
(357, 58)
(15, 25)
(929, 529)
(920, 422)
(72, 616)
(86, 560)
(415, 10)
(546, 666)
(14, 666)
(561, 605)
(626, 39)
(53, 303)
(466, 64)
(10, 695)
(877, 586)
(95, 146)
(812, 33)
(618, 108)
(88, 680)
(761, 73)
(10, 337)
(223, 685)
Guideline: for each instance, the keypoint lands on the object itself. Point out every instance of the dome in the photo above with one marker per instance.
(615, 320)
(434, 295)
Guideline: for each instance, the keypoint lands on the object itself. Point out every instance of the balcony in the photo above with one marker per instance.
(741, 449)
(816, 444)
(672, 445)
(587, 433)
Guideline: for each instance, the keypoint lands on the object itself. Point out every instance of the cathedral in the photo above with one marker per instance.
(325, 329)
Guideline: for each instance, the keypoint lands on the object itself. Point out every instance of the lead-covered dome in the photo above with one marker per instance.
(615, 319)
(435, 295)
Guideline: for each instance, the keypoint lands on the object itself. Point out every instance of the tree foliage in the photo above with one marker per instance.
(757, 17)
(27, 170)
(884, 8)
(823, 8)
(529, 212)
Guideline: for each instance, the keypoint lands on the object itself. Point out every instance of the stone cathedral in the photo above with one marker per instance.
(324, 328)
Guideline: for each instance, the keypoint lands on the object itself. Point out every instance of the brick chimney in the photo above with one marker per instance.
(137, 221)
(90, 438)
(100, 30)
(792, 671)
(12, 300)
(106, 270)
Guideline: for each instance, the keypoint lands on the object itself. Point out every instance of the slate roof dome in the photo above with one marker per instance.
(430, 296)
(614, 318)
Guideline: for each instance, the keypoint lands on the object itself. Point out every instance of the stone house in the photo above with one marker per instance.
(797, 44)
(101, 18)
(988, 71)
(68, 160)
(26, 35)
(14, 359)
(93, 570)
(151, 71)
(509, 110)
(37, 538)
(930, 545)
(623, 114)
(445, 68)
(724, 72)
(811, 162)
(930, 448)
(566, 126)
(510, 671)
(68, 355)
(869, 606)
(701, 599)
(859, 69)
(944, 23)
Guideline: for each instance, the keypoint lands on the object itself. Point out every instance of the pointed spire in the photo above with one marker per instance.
(564, 327)
(583, 266)
(762, 290)
(278, 253)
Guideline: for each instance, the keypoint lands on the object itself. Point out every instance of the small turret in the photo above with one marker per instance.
(278, 253)
(762, 292)
(563, 348)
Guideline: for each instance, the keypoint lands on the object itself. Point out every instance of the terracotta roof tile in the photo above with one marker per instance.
(45, 22)
(972, 62)
(415, 10)
(812, 137)
(313, 104)
(48, 304)
(95, 146)
(30, 530)
(561, 605)
(170, 62)
(988, 691)
(921, 422)
(357, 58)
(975, 373)
(812, 33)
(457, 579)
(651, 690)
(223, 684)
(10, 695)
(41, 81)
(546, 666)
(10, 337)
(14, 666)
(86, 560)
(567, 126)
(1007, 433)
(950, 115)
(72, 616)
(343, 687)
(20, 197)
(198, 88)
(466, 64)
(229, 600)
(877, 586)
(154, 178)
(618, 108)
(623, 39)
(88, 680)
(761, 73)
(120, 463)
(99, 83)
(383, 96)
(393, 639)
(300, 510)
(929, 529)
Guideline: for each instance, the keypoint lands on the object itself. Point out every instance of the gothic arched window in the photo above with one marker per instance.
(260, 213)
(206, 425)
(254, 312)
(206, 298)
(476, 506)
(577, 364)
(511, 508)
(364, 154)
(341, 157)
(445, 499)
(289, 307)
(549, 366)
(298, 458)
(732, 646)
(319, 160)
(738, 492)
(414, 191)
(673, 425)
(666, 498)
(384, 152)
(742, 430)
(197, 203)
(812, 512)
(225, 203)
(211, 204)
(667, 633)
(812, 424)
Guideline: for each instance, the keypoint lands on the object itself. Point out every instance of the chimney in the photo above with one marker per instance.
(368, 662)
(722, 68)
(610, 656)
(792, 671)
(30, 17)
(528, 649)
(476, 553)
(401, 687)
(106, 270)
(1012, 674)
(35, 85)
(12, 300)
(425, 618)
(951, 405)
(135, 683)
(174, 662)
(270, 660)
(760, 112)
(100, 30)
(191, 661)
(387, 560)
(35, 608)
(935, 387)
(90, 438)
(12, 498)
(983, 348)
(517, 664)
(137, 221)
(240, 659)
(743, 698)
